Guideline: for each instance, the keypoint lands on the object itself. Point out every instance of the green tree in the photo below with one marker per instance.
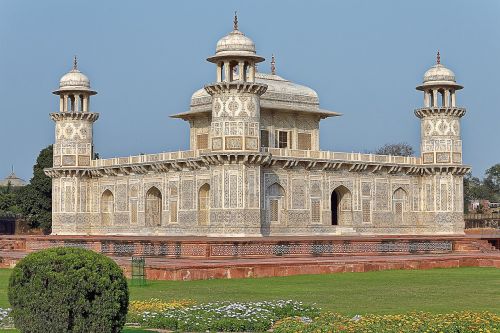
(492, 182)
(68, 290)
(396, 149)
(35, 199)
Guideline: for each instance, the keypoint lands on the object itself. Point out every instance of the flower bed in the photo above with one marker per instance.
(418, 322)
(224, 316)
(156, 305)
(6, 320)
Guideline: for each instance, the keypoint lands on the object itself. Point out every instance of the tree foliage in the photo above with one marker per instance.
(35, 199)
(492, 182)
(396, 149)
(68, 290)
(485, 189)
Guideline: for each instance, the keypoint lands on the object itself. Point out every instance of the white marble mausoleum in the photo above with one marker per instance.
(254, 166)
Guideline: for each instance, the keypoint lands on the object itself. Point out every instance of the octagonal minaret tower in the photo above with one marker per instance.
(235, 94)
(73, 145)
(441, 142)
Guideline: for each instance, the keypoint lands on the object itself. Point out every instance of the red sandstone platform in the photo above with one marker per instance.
(191, 258)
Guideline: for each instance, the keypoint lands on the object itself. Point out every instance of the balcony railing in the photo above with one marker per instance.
(341, 156)
(277, 152)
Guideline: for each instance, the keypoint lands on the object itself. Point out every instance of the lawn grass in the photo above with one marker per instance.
(397, 291)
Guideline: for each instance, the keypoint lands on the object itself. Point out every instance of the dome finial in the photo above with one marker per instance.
(75, 63)
(273, 65)
(438, 58)
(235, 21)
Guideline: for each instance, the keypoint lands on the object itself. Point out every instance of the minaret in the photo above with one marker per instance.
(235, 94)
(441, 142)
(73, 145)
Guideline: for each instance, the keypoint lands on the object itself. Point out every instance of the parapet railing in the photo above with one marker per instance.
(477, 216)
(278, 152)
(341, 156)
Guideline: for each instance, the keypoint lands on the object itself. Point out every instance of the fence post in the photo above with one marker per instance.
(138, 271)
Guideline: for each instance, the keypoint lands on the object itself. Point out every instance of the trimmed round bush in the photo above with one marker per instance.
(68, 290)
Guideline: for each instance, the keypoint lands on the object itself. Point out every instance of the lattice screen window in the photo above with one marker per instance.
(366, 189)
(264, 138)
(458, 197)
(444, 197)
(133, 212)
(274, 210)
(202, 141)
(203, 200)
(366, 206)
(304, 141)
(398, 210)
(416, 196)
(398, 207)
(400, 195)
(430, 197)
(315, 211)
(173, 211)
(174, 192)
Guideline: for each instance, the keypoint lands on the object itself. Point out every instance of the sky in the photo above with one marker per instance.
(146, 58)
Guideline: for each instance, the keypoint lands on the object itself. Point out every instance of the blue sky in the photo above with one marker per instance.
(146, 58)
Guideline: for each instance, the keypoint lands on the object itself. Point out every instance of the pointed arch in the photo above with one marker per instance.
(107, 208)
(153, 207)
(341, 205)
(399, 204)
(204, 204)
(275, 202)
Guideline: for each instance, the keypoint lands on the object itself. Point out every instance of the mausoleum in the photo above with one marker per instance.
(254, 165)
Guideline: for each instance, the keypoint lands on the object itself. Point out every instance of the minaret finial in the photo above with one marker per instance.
(75, 63)
(273, 65)
(235, 22)
(438, 58)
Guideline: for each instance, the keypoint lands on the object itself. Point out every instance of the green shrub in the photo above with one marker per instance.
(68, 290)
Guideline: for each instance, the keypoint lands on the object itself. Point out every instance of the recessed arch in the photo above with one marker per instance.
(204, 204)
(340, 205)
(153, 207)
(107, 208)
(275, 202)
(399, 204)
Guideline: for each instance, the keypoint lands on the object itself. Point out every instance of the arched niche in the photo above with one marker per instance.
(107, 208)
(204, 205)
(153, 207)
(341, 206)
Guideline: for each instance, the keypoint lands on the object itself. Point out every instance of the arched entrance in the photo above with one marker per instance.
(334, 204)
(203, 204)
(153, 207)
(340, 206)
(107, 208)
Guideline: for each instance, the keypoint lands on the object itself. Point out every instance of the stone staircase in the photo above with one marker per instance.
(475, 245)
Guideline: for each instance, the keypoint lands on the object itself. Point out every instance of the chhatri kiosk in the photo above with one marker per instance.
(254, 166)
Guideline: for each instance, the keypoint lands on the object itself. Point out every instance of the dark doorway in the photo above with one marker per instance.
(334, 203)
